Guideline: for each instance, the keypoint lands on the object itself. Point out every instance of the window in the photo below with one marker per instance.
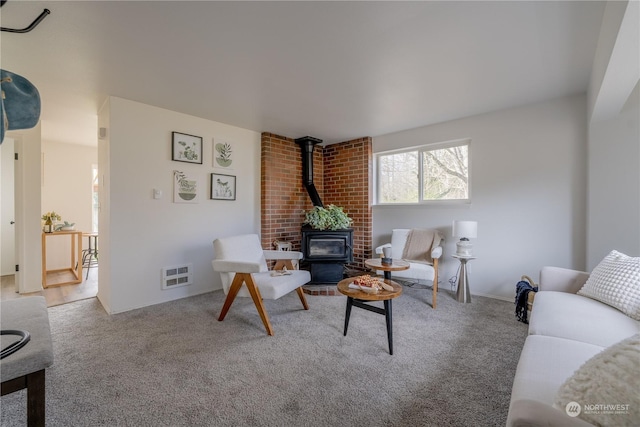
(424, 174)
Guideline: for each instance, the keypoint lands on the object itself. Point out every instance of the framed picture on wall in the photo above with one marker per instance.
(185, 188)
(186, 148)
(222, 154)
(223, 187)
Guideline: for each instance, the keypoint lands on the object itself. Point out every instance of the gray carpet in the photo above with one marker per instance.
(174, 364)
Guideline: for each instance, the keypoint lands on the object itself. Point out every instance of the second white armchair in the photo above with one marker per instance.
(422, 248)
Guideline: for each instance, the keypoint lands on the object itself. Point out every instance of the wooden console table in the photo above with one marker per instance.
(63, 276)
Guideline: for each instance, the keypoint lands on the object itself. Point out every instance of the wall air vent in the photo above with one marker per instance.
(174, 277)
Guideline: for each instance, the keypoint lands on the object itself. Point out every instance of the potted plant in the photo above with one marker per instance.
(48, 219)
(327, 218)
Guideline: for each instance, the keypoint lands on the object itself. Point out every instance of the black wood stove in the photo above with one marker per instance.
(324, 251)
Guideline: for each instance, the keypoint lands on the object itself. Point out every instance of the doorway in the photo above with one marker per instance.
(67, 185)
(7, 212)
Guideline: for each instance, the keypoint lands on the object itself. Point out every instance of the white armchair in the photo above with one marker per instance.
(240, 260)
(422, 249)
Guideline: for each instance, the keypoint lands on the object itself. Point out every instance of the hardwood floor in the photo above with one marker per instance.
(55, 295)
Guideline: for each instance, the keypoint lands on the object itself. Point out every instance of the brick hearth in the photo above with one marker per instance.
(332, 290)
(323, 290)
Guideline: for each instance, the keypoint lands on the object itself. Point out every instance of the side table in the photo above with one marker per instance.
(396, 265)
(358, 298)
(463, 294)
(63, 276)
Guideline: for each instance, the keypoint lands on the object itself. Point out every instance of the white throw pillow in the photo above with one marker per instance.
(604, 391)
(616, 282)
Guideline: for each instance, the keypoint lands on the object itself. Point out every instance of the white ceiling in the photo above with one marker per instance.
(332, 70)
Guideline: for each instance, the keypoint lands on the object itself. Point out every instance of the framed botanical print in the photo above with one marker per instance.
(186, 148)
(185, 188)
(222, 155)
(223, 187)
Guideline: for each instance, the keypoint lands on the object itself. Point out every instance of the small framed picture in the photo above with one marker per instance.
(186, 148)
(223, 187)
(185, 188)
(222, 155)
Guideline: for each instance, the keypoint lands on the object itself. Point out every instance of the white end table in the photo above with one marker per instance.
(463, 294)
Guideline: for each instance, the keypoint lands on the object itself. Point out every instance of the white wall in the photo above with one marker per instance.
(528, 193)
(600, 81)
(67, 191)
(146, 234)
(614, 136)
(614, 183)
(67, 181)
(104, 197)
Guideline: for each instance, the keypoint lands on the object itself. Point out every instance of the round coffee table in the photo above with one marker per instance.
(396, 265)
(359, 298)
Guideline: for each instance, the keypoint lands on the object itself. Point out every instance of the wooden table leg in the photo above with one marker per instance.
(36, 399)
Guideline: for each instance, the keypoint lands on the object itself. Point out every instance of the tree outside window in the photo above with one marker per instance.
(398, 176)
(429, 173)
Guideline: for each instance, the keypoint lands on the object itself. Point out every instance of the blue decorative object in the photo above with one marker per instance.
(20, 103)
(522, 294)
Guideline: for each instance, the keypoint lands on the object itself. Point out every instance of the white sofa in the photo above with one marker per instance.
(565, 331)
(423, 271)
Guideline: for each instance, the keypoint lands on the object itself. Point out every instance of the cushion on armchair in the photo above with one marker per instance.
(414, 245)
(245, 247)
(419, 244)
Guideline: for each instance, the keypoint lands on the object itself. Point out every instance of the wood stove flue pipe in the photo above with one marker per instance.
(307, 144)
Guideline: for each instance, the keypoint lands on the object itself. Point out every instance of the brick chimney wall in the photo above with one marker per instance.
(347, 183)
(342, 176)
(283, 196)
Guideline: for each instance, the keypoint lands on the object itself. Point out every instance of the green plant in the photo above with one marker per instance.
(330, 218)
(49, 217)
(224, 150)
(183, 182)
(189, 151)
(224, 154)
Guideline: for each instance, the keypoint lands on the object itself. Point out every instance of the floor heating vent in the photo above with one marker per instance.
(173, 277)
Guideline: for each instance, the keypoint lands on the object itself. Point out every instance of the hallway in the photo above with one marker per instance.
(55, 295)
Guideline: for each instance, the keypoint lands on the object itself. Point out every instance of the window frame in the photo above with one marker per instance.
(421, 149)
